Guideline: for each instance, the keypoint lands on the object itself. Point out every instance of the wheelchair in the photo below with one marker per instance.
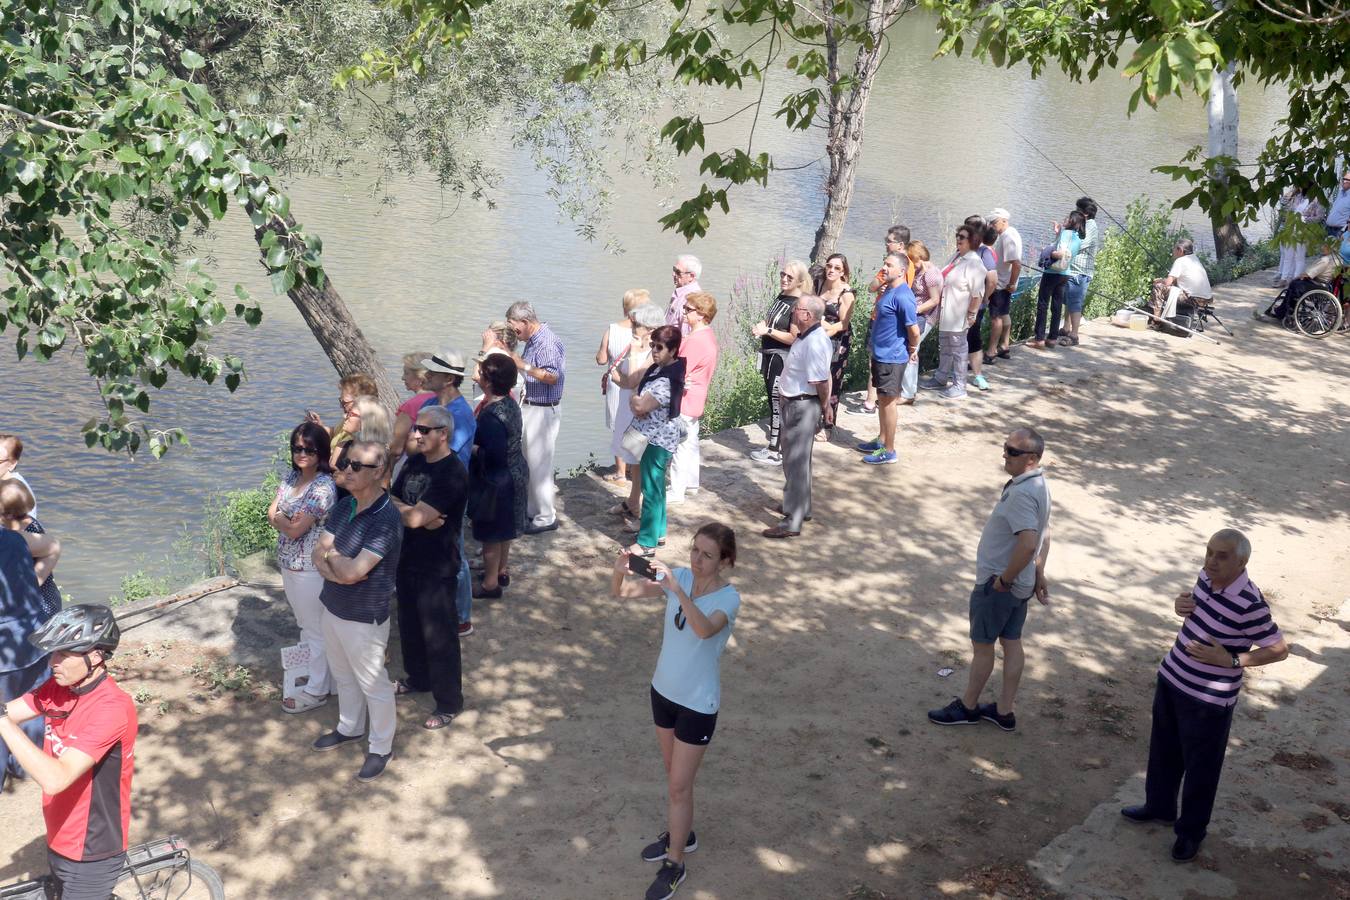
(1317, 312)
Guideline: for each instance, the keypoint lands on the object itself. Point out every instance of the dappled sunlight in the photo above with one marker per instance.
(777, 863)
(992, 771)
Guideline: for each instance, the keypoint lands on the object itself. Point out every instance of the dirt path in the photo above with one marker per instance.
(825, 780)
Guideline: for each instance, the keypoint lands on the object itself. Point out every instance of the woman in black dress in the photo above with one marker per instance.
(837, 292)
(498, 474)
(776, 334)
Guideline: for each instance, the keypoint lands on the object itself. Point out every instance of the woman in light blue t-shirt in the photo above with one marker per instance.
(686, 692)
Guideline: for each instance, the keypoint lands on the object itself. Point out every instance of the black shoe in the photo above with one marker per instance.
(1142, 814)
(540, 529)
(656, 850)
(1185, 849)
(1003, 354)
(954, 713)
(374, 765)
(667, 881)
(334, 739)
(989, 712)
(481, 593)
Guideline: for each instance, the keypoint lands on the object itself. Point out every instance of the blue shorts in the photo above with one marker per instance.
(1075, 292)
(995, 614)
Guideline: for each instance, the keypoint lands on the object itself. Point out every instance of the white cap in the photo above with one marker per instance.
(997, 213)
(448, 361)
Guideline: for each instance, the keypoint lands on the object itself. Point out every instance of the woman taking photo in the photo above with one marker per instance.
(656, 416)
(614, 345)
(498, 477)
(927, 285)
(301, 506)
(646, 319)
(838, 295)
(349, 388)
(1054, 280)
(700, 612)
(776, 334)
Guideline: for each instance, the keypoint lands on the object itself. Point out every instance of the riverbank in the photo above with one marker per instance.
(824, 779)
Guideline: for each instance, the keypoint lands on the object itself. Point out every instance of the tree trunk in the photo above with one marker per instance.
(1223, 134)
(332, 324)
(847, 113)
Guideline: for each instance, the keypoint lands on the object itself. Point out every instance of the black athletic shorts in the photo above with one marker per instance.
(690, 727)
(1000, 303)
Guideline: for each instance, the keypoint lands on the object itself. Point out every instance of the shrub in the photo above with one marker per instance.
(137, 586)
(234, 523)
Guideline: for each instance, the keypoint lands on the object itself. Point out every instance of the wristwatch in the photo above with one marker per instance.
(4, 713)
(1237, 663)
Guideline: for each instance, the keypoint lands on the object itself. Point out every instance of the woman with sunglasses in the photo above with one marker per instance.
(838, 295)
(776, 334)
(298, 512)
(656, 415)
(498, 475)
(962, 292)
(686, 693)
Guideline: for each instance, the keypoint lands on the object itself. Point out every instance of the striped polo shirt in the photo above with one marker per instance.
(1236, 617)
(544, 351)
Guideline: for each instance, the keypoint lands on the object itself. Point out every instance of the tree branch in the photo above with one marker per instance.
(40, 120)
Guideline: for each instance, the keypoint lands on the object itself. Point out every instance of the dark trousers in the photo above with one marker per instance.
(771, 368)
(1051, 294)
(92, 880)
(428, 626)
(1185, 751)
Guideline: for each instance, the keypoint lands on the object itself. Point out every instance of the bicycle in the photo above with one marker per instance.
(156, 870)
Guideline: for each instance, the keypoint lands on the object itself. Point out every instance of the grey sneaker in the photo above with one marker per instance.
(767, 457)
(656, 850)
(953, 393)
(932, 384)
(667, 882)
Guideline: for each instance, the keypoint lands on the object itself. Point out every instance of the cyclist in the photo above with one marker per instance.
(84, 766)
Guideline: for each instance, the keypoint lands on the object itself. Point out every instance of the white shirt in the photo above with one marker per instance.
(808, 360)
(1008, 249)
(1191, 276)
(964, 281)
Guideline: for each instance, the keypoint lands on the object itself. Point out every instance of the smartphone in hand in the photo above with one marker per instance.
(640, 565)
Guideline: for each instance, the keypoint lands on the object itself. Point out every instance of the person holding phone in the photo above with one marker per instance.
(700, 612)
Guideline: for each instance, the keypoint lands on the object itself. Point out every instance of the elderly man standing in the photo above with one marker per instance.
(685, 274)
(1186, 280)
(430, 494)
(1338, 212)
(358, 557)
(1009, 569)
(804, 389)
(1008, 252)
(542, 363)
(1225, 617)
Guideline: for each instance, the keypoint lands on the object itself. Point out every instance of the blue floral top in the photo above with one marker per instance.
(317, 500)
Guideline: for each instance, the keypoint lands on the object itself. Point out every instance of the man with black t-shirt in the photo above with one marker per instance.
(85, 764)
(429, 495)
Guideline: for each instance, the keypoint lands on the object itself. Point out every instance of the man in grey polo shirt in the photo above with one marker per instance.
(1009, 569)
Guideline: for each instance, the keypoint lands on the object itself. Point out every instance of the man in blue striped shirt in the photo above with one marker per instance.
(542, 362)
(1198, 683)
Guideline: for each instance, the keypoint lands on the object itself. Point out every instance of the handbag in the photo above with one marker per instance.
(634, 442)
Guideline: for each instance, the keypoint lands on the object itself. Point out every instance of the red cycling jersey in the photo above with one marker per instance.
(89, 820)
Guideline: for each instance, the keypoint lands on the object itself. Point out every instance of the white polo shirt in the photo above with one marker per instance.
(808, 360)
(1191, 276)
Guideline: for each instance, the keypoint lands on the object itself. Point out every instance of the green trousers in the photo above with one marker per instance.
(655, 461)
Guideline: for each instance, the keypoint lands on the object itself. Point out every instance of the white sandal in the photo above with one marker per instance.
(303, 702)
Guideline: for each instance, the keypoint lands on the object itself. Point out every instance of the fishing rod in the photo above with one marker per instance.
(1127, 305)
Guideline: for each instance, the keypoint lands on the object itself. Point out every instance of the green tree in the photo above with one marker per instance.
(1171, 47)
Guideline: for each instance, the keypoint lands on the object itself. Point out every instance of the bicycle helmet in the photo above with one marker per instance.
(80, 629)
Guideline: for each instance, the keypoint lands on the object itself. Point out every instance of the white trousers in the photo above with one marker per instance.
(302, 592)
(684, 462)
(540, 426)
(1292, 261)
(356, 659)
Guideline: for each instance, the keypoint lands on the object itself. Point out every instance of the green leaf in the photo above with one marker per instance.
(191, 59)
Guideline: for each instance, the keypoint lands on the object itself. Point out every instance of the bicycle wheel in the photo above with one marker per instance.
(190, 880)
(1317, 313)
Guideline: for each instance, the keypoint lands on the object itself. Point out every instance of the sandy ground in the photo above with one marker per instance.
(825, 780)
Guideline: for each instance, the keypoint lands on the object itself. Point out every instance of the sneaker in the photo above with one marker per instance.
(668, 880)
(767, 457)
(476, 563)
(954, 713)
(374, 765)
(656, 850)
(980, 382)
(953, 393)
(871, 446)
(334, 739)
(932, 384)
(989, 712)
(465, 629)
(882, 457)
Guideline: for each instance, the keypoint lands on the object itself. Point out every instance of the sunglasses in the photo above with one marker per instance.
(1014, 452)
(427, 429)
(344, 464)
(681, 272)
(299, 450)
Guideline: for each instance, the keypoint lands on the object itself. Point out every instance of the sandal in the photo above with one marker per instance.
(613, 478)
(302, 702)
(644, 552)
(623, 509)
(437, 721)
(989, 360)
(1005, 353)
(1066, 341)
(402, 687)
(869, 407)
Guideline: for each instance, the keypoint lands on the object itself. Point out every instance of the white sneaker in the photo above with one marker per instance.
(767, 457)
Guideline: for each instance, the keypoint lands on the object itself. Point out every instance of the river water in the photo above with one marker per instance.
(421, 272)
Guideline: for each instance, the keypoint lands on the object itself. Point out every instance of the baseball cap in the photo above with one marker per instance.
(997, 213)
(449, 360)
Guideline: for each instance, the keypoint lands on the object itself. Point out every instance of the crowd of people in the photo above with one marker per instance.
(371, 518)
